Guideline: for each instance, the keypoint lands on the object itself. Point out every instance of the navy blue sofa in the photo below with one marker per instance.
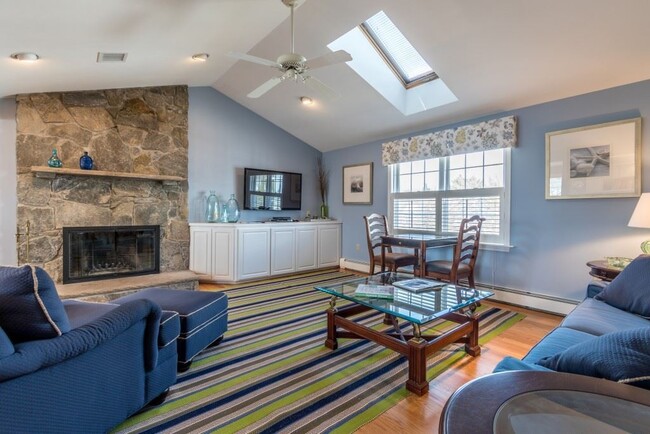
(104, 363)
(607, 335)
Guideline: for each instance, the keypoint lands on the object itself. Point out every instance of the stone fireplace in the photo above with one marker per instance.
(95, 253)
(135, 131)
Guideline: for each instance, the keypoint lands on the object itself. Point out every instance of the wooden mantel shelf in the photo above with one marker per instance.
(52, 172)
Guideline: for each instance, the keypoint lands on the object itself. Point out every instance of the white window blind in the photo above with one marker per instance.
(396, 48)
(434, 195)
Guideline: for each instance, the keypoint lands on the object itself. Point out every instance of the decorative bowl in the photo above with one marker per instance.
(618, 261)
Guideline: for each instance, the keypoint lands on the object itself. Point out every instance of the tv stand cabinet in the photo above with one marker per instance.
(232, 252)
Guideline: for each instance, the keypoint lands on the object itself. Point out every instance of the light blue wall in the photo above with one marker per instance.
(7, 181)
(552, 239)
(226, 137)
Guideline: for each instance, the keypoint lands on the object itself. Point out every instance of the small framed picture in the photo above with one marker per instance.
(357, 184)
(595, 161)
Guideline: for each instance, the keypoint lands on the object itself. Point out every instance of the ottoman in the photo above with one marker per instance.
(203, 315)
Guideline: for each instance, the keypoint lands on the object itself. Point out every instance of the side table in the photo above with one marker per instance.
(533, 401)
(602, 270)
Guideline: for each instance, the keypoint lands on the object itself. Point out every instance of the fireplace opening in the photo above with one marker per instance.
(106, 252)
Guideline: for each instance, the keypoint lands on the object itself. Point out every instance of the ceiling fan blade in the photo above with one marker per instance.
(255, 59)
(265, 87)
(332, 58)
(321, 87)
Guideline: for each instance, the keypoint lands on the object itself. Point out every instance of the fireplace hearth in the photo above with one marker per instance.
(106, 252)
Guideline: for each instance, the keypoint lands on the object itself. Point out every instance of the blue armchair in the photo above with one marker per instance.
(111, 362)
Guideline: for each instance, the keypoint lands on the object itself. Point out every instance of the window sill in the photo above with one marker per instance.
(496, 247)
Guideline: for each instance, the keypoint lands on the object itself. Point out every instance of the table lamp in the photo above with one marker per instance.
(641, 218)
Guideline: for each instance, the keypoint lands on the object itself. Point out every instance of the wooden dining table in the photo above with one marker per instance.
(419, 243)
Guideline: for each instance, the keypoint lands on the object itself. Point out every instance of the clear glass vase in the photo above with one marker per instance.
(232, 209)
(213, 209)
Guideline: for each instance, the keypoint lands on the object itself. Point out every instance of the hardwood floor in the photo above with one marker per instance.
(420, 414)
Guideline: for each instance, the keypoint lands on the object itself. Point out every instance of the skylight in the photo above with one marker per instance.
(397, 51)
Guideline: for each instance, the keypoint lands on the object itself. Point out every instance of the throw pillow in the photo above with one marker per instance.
(620, 356)
(6, 347)
(30, 307)
(630, 290)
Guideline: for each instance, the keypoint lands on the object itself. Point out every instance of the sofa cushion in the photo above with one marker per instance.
(621, 356)
(630, 290)
(598, 318)
(513, 364)
(30, 307)
(556, 341)
(6, 347)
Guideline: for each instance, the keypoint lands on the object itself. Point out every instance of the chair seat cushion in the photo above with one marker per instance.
(83, 312)
(621, 356)
(394, 257)
(30, 308)
(629, 290)
(444, 267)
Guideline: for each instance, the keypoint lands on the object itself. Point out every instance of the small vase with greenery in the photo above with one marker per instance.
(323, 185)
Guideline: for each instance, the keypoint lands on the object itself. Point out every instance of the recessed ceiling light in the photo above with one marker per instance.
(305, 100)
(25, 57)
(201, 57)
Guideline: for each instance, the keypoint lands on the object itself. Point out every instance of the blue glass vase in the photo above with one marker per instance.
(85, 161)
(232, 209)
(54, 160)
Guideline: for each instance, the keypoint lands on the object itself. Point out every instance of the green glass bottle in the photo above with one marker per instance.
(54, 160)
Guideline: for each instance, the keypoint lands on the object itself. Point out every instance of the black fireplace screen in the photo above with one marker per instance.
(93, 253)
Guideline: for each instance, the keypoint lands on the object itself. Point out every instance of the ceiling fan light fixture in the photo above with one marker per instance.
(305, 100)
(25, 57)
(201, 57)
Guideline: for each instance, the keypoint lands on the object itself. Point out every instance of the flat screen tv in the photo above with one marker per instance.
(270, 190)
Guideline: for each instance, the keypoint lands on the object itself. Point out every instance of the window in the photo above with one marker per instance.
(434, 195)
(397, 51)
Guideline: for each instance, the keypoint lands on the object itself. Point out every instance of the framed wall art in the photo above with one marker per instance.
(357, 184)
(595, 161)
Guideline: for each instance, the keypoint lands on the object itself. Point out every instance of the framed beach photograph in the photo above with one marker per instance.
(595, 161)
(357, 184)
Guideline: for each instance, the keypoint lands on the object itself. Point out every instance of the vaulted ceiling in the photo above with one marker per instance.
(494, 56)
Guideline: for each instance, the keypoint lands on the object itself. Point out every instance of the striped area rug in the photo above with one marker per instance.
(272, 372)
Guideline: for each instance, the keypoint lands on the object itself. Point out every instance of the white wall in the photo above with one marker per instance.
(7, 181)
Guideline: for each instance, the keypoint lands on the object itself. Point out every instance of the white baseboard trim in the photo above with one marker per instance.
(530, 300)
(517, 297)
(353, 265)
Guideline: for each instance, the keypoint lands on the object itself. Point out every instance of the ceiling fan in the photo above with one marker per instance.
(294, 66)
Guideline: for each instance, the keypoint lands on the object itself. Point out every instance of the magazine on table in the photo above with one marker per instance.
(419, 285)
(379, 291)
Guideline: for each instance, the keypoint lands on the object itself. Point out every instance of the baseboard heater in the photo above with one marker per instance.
(516, 297)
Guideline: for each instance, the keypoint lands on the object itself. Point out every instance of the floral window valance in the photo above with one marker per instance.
(494, 134)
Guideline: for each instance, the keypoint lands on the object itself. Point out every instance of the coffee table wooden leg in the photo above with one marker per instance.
(472, 347)
(417, 382)
(331, 341)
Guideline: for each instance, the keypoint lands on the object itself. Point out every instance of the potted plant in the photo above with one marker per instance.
(323, 184)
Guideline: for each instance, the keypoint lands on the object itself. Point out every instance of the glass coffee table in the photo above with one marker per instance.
(450, 302)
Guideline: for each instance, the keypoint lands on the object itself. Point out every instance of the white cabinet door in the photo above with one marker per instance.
(200, 252)
(253, 253)
(283, 252)
(329, 246)
(223, 254)
(306, 248)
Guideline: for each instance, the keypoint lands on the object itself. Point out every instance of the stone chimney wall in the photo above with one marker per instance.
(140, 130)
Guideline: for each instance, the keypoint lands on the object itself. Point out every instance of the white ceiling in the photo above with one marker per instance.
(494, 56)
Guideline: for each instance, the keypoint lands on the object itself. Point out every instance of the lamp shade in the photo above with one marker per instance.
(641, 215)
